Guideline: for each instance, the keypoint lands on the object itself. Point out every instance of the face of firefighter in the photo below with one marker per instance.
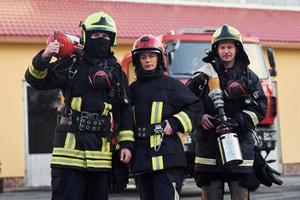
(100, 35)
(227, 51)
(148, 60)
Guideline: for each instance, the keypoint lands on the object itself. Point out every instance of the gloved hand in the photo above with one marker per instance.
(264, 173)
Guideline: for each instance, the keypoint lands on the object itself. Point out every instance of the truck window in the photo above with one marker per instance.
(187, 58)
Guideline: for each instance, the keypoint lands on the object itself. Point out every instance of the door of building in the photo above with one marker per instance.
(40, 111)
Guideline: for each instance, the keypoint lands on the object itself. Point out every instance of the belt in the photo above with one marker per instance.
(151, 129)
(85, 121)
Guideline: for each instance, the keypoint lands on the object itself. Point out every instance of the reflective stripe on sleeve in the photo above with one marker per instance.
(253, 116)
(185, 121)
(37, 73)
(126, 135)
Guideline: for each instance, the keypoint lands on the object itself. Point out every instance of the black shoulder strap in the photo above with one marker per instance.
(68, 90)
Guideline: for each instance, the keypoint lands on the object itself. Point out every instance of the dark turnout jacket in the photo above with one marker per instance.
(247, 114)
(153, 101)
(74, 147)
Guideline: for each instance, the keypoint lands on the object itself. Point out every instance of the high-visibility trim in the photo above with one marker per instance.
(70, 141)
(76, 103)
(133, 114)
(247, 163)
(68, 162)
(185, 121)
(126, 135)
(211, 161)
(58, 151)
(152, 140)
(176, 195)
(98, 155)
(157, 163)
(99, 163)
(253, 116)
(37, 73)
(105, 145)
(156, 112)
(205, 161)
(107, 109)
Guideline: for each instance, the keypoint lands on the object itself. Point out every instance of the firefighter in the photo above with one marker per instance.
(244, 103)
(162, 107)
(96, 94)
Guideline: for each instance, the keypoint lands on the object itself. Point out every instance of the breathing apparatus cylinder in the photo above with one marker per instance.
(228, 142)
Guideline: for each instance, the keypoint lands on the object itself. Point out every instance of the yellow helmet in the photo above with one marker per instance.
(100, 21)
(226, 32)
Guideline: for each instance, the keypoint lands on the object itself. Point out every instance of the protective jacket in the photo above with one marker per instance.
(247, 111)
(83, 134)
(153, 101)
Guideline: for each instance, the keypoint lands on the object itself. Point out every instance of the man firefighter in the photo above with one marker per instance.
(225, 82)
(162, 107)
(95, 90)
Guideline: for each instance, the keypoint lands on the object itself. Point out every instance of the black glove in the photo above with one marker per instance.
(264, 173)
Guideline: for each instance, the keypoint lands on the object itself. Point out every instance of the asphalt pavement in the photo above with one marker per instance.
(290, 190)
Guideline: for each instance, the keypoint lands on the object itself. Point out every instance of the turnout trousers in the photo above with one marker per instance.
(161, 185)
(70, 184)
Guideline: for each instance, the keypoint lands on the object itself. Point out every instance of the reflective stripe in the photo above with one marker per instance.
(68, 161)
(107, 108)
(37, 73)
(133, 113)
(98, 155)
(126, 135)
(185, 121)
(70, 141)
(105, 145)
(156, 112)
(247, 163)
(156, 115)
(211, 161)
(99, 163)
(176, 195)
(58, 151)
(76, 103)
(205, 161)
(152, 140)
(253, 116)
(157, 163)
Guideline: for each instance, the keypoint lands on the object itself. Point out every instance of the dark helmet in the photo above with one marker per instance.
(148, 43)
(227, 32)
(100, 21)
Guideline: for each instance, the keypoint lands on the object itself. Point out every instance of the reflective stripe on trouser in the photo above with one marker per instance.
(215, 191)
(161, 185)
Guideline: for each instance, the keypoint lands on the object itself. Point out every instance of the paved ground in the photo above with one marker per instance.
(290, 190)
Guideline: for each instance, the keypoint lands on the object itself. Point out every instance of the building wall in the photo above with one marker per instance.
(15, 58)
(287, 61)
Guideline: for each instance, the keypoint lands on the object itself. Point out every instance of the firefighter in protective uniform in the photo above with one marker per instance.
(95, 90)
(244, 102)
(162, 106)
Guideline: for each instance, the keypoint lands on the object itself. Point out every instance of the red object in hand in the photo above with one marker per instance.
(66, 41)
